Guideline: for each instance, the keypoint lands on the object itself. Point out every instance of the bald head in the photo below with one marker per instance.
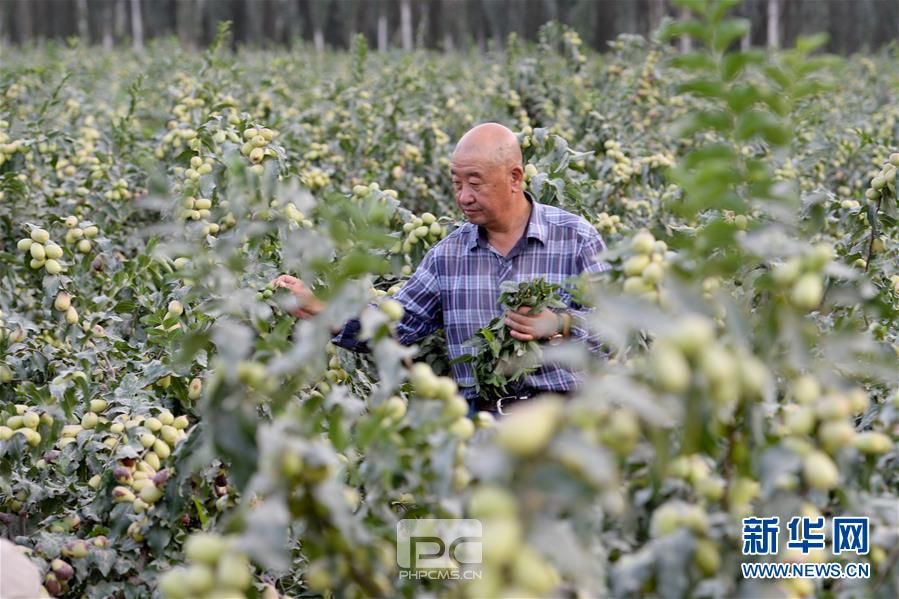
(491, 143)
(488, 180)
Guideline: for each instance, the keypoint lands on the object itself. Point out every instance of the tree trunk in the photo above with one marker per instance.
(423, 27)
(432, 15)
(293, 22)
(84, 30)
(774, 23)
(497, 20)
(625, 19)
(137, 26)
(885, 29)
(280, 26)
(603, 14)
(22, 21)
(686, 42)
(382, 28)
(551, 9)
(253, 13)
(214, 13)
(106, 24)
(452, 13)
(406, 24)
(657, 11)
(183, 22)
(517, 12)
(121, 19)
(318, 16)
(743, 11)
(350, 17)
(39, 14)
(59, 22)
(205, 30)
(813, 16)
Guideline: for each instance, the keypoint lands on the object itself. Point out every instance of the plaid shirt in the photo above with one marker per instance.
(457, 287)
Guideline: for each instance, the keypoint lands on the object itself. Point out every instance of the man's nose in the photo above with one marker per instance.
(466, 196)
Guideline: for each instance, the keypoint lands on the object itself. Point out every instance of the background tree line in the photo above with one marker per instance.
(436, 24)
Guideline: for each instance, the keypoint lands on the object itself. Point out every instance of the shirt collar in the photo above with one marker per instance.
(536, 227)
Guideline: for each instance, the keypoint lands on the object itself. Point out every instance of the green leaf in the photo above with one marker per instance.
(158, 538)
(699, 7)
(806, 44)
(719, 9)
(706, 155)
(201, 513)
(125, 307)
(360, 263)
(779, 103)
(761, 124)
(190, 345)
(337, 431)
(703, 120)
(691, 28)
(728, 32)
(693, 61)
(104, 560)
(734, 63)
(807, 88)
(704, 88)
(779, 76)
(742, 97)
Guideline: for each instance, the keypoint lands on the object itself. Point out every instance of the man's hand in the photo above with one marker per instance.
(527, 327)
(309, 305)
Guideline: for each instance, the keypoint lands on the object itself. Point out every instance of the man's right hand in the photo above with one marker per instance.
(309, 305)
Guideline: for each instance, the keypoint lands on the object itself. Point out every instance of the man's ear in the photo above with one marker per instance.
(517, 174)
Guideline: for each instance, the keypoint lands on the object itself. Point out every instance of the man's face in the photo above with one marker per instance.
(483, 191)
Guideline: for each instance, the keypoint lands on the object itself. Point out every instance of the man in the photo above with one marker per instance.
(508, 237)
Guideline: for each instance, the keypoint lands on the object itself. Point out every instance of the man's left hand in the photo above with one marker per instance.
(525, 326)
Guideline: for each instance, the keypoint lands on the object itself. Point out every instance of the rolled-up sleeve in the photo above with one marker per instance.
(420, 297)
(422, 311)
(590, 247)
(348, 337)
